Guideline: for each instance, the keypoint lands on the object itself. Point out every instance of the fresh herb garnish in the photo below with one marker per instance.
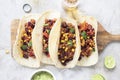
(45, 24)
(24, 47)
(48, 31)
(93, 49)
(72, 30)
(70, 43)
(30, 44)
(84, 35)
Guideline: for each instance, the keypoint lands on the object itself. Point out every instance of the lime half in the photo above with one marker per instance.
(97, 77)
(109, 62)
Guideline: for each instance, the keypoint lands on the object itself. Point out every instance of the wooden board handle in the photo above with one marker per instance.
(115, 38)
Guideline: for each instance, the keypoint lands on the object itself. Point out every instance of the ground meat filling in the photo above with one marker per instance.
(46, 31)
(26, 46)
(67, 43)
(87, 35)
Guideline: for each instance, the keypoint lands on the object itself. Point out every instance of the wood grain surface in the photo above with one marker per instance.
(103, 37)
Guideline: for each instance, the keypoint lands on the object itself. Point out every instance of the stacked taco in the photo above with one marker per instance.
(64, 44)
(51, 39)
(23, 51)
(87, 26)
(42, 33)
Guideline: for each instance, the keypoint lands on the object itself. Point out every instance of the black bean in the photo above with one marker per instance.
(25, 56)
(64, 25)
(31, 25)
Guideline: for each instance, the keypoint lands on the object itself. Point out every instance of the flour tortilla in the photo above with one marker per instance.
(54, 43)
(93, 58)
(38, 34)
(17, 52)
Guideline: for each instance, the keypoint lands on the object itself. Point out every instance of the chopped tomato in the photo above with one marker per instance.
(48, 55)
(45, 34)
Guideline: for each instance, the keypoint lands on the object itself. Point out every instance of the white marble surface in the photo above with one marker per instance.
(107, 13)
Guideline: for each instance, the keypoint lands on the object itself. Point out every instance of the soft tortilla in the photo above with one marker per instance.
(30, 62)
(54, 43)
(91, 60)
(38, 34)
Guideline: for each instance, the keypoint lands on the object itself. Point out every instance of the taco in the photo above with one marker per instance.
(64, 45)
(87, 26)
(23, 51)
(42, 33)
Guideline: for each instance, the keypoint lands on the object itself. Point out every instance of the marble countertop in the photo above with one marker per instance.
(107, 12)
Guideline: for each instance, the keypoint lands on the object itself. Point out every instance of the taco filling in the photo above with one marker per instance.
(67, 43)
(46, 31)
(26, 47)
(87, 35)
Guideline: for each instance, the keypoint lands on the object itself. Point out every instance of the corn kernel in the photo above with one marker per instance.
(21, 55)
(65, 57)
(90, 48)
(81, 37)
(66, 38)
(90, 43)
(25, 34)
(24, 41)
(74, 35)
(73, 41)
(66, 49)
(73, 50)
(74, 44)
(63, 61)
(63, 35)
(62, 41)
(29, 30)
(63, 47)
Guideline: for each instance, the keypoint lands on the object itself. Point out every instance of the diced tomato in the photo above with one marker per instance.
(31, 54)
(48, 55)
(45, 34)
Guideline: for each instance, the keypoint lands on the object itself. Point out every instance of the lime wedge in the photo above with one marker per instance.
(97, 77)
(109, 62)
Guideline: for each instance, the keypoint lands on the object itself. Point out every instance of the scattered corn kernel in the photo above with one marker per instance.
(7, 51)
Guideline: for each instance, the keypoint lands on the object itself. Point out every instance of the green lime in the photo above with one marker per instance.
(109, 62)
(97, 77)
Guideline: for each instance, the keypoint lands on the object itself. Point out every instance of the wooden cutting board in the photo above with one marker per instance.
(103, 37)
